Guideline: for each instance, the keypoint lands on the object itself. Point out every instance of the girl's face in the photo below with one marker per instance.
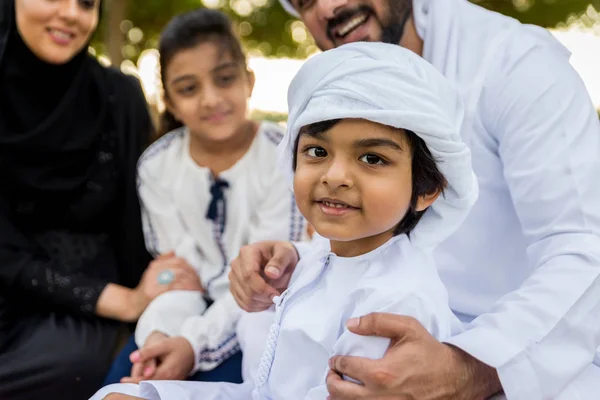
(353, 183)
(56, 30)
(208, 91)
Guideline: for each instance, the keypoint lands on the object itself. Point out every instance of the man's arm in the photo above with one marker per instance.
(542, 335)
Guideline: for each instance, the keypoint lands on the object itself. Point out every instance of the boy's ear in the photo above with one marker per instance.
(423, 202)
(251, 80)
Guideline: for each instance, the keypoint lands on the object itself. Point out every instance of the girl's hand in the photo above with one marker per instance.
(175, 360)
(144, 370)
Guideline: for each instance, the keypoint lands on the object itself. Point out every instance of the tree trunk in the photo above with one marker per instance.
(114, 39)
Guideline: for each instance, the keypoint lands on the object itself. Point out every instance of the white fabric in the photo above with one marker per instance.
(398, 277)
(429, 106)
(175, 194)
(526, 262)
(385, 84)
(252, 331)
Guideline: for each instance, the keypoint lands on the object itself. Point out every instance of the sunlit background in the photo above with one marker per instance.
(276, 50)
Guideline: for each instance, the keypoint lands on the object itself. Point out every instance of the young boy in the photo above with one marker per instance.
(379, 170)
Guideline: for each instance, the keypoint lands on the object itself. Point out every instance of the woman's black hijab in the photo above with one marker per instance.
(51, 116)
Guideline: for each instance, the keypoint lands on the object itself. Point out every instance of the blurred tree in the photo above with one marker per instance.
(546, 13)
(116, 11)
(266, 29)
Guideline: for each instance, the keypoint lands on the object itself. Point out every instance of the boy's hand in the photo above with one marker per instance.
(173, 356)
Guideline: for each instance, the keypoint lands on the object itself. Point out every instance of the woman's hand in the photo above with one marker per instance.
(184, 277)
(124, 304)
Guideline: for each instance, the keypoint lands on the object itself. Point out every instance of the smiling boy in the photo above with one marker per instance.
(378, 169)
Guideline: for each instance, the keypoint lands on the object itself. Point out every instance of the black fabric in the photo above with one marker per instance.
(56, 357)
(64, 194)
(50, 117)
(217, 196)
(70, 221)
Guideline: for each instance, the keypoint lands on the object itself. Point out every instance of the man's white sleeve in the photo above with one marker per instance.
(545, 333)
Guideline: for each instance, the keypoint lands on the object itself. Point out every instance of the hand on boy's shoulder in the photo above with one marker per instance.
(119, 396)
(260, 272)
(415, 366)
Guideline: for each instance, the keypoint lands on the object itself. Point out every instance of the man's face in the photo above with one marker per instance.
(336, 22)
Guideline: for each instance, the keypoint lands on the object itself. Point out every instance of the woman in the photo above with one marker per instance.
(71, 244)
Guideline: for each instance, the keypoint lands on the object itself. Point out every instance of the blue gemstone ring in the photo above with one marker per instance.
(165, 277)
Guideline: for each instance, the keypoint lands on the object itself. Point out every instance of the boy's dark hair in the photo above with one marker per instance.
(186, 31)
(426, 177)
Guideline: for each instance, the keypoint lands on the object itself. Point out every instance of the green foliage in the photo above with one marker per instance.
(546, 13)
(259, 115)
(266, 29)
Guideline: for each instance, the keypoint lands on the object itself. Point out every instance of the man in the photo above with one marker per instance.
(523, 271)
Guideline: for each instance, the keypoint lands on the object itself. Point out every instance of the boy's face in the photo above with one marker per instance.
(353, 184)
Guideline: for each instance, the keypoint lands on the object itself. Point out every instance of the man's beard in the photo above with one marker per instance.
(400, 12)
(392, 30)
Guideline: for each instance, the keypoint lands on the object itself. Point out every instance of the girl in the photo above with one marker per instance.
(208, 187)
(372, 142)
(71, 243)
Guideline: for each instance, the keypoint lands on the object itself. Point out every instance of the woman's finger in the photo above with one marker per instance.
(185, 280)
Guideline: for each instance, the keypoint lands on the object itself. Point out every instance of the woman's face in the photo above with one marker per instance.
(56, 30)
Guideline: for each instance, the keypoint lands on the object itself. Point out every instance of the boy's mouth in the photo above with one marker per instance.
(331, 202)
(335, 207)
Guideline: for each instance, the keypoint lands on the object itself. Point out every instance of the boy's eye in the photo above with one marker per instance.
(316, 152)
(372, 159)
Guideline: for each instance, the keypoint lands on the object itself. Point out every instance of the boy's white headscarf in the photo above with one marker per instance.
(392, 86)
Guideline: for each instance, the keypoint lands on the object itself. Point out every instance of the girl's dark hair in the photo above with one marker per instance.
(186, 31)
(426, 177)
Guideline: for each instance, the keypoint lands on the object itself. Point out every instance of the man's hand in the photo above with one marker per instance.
(119, 396)
(174, 360)
(260, 272)
(415, 366)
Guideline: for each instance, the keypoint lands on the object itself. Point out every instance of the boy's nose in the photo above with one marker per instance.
(337, 175)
